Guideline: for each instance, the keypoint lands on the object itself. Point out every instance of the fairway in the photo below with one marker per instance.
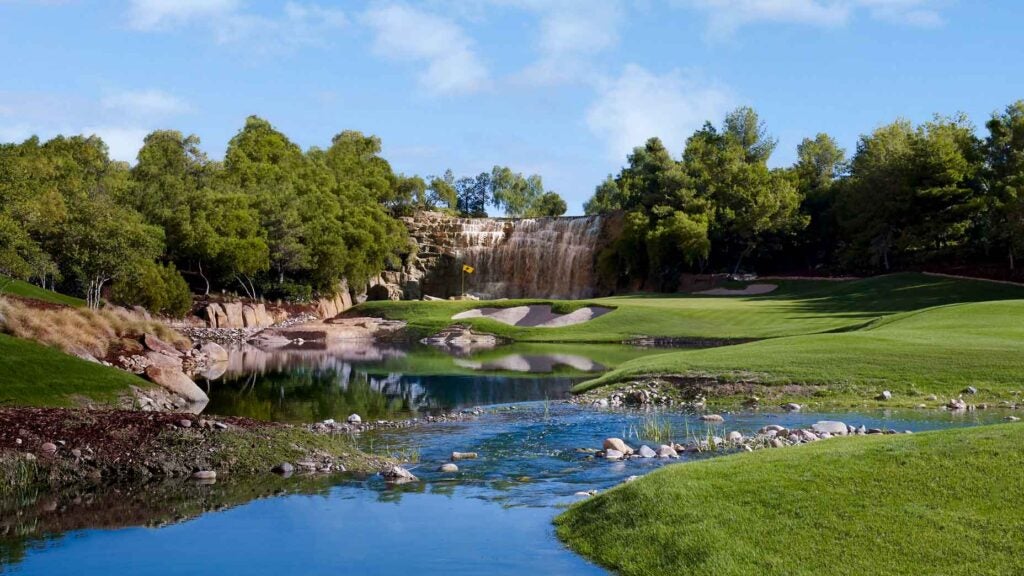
(26, 290)
(948, 502)
(796, 307)
(940, 350)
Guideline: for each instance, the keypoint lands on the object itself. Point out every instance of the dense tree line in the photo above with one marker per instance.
(909, 196)
(270, 220)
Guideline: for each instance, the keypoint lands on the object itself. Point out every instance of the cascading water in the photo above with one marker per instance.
(512, 258)
(533, 257)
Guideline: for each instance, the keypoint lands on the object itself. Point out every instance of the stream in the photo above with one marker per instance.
(493, 516)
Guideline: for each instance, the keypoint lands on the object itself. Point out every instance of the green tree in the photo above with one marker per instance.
(442, 193)
(1004, 148)
(548, 205)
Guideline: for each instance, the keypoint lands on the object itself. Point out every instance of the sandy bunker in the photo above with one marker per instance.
(535, 316)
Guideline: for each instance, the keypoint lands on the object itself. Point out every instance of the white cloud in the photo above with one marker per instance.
(640, 104)
(571, 33)
(725, 17)
(122, 119)
(156, 14)
(145, 103)
(229, 22)
(439, 44)
(122, 141)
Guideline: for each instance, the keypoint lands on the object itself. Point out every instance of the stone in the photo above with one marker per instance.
(611, 454)
(791, 407)
(398, 475)
(157, 359)
(832, 427)
(932, 398)
(970, 390)
(1012, 419)
(174, 380)
(464, 455)
(630, 479)
(666, 451)
(220, 426)
(232, 315)
(284, 469)
(448, 468)
(645, 451)
(712, 418)
(957, 404)
(215, 353)
(885, 395)
(777, 443)
(77, 453)
(184, 423)
(157, 345)
(48, 448)
(354, 419)
(204, 475)
(618, 445)
(734, 436)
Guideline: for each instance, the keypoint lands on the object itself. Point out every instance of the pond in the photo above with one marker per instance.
(493, 516)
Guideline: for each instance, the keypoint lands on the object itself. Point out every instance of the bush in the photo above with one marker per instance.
(157, 288)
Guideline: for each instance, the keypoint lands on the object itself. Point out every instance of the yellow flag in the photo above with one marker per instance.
(468, 269)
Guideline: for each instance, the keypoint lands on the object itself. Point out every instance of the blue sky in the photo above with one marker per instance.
(563, 88)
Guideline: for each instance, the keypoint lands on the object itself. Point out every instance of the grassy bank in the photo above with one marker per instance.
(948, 502)
(35, 375)
(940, 350)
(26, 290)
(796, 307)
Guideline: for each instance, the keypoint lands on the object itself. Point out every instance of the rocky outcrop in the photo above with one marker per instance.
(236, 315)
(329, 307)
(175, 381)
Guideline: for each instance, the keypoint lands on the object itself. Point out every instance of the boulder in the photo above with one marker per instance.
(398, 475)
(233, 317)
(618, 445)
(157, 345)
(448, 468)
(791, 407)
(215, 315)
(970, 390)
(831, 426)
(215, 353)
(885, 395)
(712, 418)
(354, 419)
(249, 316)
(734, 437)
(645, 451)
(613, 455)
(204, 475)
(284, 469)
(666, 451)
(263, 318)
(162, 360)
(464, 455)
(174, 380)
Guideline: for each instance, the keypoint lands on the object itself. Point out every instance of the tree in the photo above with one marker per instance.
(441, 193)
(472, 195)
(1004, 149)
(548, 205)
(607, 198)
(513, 193)
(820, 163)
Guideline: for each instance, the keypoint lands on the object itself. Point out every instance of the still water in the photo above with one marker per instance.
(493, 516)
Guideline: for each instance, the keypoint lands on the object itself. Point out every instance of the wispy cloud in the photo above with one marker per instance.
(640, 104)
(571, 33)
(725, 17)
(231, 22)
(121, 119)
(449, 62)
(145, 103)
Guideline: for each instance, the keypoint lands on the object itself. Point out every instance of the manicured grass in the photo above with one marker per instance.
(941, 350)
(26, 290)
(796, 307)
(35, 375)
(948, 502)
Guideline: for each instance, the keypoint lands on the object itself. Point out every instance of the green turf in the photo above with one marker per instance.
(948, 502)
(940, 350)
(36, 375)
(26, 290)
(797, 307)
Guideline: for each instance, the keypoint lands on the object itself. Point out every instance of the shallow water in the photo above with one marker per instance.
(493, 516)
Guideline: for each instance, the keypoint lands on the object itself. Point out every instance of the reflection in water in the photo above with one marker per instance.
(308, 383)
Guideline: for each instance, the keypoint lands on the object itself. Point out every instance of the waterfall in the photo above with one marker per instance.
(513, 258)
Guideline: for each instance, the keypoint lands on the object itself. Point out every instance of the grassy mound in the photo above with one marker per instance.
(36, 375)
(797, 307)
(949, 502)
(26, 290)
(940, 350)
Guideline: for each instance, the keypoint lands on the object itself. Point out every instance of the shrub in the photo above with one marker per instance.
(157, 288)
